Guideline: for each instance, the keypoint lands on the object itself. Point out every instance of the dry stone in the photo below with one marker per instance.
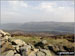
(4, 33)
(17, 55)
(44, 42)
(39, 53)
(47, 52)
(10, 53)
(7, 46)
(19, 42)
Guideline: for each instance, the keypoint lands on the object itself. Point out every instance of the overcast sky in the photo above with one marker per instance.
(30, 11)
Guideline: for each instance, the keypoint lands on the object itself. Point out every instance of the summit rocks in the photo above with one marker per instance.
(17, 47)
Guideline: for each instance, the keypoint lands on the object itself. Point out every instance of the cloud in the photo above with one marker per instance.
(21, 11)
(56, 12)
(17, 4)
(47, 5)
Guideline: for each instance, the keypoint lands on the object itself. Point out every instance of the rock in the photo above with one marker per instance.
(4, 33)
(14, 51)
(18, 42)
(25, 50)
(62, 49)
(51, 45)
(47, 52)
(44, 42)
(9, 39)
(6, 37)
(16, 48)
(28, 47)
(53, 48)
(41, 44)
(10, 53)
(31, 46)
(39, 53)
(2, 43)
(33, 53)
(7, 46)
(70, 49)
(17, 55)
(0, 34)
(56, 48)
(36, 50)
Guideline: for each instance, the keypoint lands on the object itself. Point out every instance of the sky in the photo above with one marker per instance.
(35, 11)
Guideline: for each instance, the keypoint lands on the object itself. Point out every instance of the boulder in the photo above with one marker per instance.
(16, 48)
(25, 50)
(2, 43)
(47, 52)
(6, 37)
(56, 48)
(6, 47)
(33, 53)
(44, 42)
(31, 46)
(17, 55)
(10, 53)
(41, 44)
(15, 51)
(18, 42)
(4, 33)
(39, 53)
(0, 34)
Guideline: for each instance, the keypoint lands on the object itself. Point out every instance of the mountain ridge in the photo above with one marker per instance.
(40, 26)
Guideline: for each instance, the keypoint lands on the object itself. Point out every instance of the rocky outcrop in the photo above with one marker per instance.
(4, 35)
(10, 53)
(43, 52)
(18, 42)
(17, 47)
(17, 55)
(6, 46)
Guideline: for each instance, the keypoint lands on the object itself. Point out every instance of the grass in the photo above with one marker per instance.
(49, 40)
(28, 39)
(52, 41)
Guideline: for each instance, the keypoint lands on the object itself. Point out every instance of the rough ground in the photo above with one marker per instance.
(34, 46)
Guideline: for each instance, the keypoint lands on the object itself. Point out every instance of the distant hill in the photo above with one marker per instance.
(41, 26)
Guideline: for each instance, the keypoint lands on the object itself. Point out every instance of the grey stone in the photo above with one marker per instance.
(23, 51)
(39, 53)
(31, 46)
(0, 35)
(32, 54)
(47, 52)
(17, 48)
(10, 53)
(6, 37)
(26, 47)
(4, 33)
(19, 42)
(17, 55)
(44, 42)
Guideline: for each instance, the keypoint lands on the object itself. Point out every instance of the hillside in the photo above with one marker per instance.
(19, 45)
(41, 26)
